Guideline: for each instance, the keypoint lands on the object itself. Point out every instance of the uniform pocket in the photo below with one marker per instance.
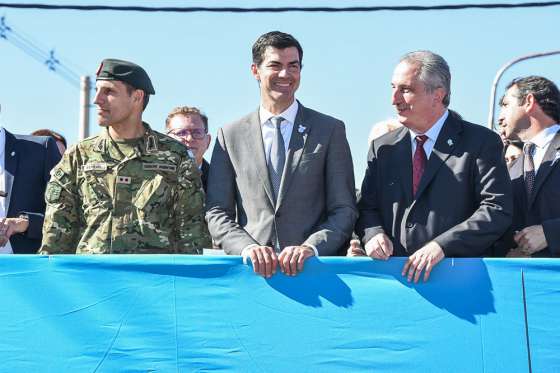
(153, 194)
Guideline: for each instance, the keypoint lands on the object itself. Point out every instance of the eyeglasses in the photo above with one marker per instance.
(197, 133)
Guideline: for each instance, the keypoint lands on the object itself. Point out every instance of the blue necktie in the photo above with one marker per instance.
(277, 157)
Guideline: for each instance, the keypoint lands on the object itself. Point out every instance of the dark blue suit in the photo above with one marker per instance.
(542, 207)
(28, 161)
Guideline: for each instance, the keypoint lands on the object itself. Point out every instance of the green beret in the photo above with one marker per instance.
(128, 72)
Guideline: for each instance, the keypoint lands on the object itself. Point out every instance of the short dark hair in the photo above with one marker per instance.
(545, 92)
(275, 39)
(130, 88)
(187, 110)
(46, 132)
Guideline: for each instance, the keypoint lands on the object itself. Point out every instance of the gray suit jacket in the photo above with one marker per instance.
(463, 202)
(542, 207)
(316, 203)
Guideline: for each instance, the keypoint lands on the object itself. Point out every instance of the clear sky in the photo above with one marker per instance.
(203, 59)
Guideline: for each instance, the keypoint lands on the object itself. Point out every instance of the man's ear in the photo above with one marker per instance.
(439, 94)
(530, 103)
(138, 95)
(255, 72)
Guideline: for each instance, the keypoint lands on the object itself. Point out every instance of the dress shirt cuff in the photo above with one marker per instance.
(245, 252)
(312, 247)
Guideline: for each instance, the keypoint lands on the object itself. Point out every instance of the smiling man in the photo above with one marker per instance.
(281, 184)
(437, 187)
(129, 189)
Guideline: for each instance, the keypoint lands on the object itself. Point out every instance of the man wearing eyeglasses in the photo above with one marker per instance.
(189, 126)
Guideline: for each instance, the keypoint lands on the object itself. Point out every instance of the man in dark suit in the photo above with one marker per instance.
(189, 126)
(436, 187)
(530, 110)
(26, 164)
(281, 185)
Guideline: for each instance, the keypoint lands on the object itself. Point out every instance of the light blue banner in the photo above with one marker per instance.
(194, 314)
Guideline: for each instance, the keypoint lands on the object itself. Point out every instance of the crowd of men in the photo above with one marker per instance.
(280, 185)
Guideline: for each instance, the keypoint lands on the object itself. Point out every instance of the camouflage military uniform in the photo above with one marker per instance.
(140, 196)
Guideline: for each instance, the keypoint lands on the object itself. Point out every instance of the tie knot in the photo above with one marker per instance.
(276, 121)
(528, 148)
(421, 139)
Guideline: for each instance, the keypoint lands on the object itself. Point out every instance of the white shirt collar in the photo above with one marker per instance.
(543, 138)
(289, 114)
(434, 130)
(2, 140)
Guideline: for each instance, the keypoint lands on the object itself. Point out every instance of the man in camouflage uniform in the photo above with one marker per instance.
(129, 189)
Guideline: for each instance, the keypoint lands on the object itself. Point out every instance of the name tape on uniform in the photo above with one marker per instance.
(159, 167)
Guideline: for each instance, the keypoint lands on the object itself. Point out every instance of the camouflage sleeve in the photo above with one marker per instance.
(191, 230)
(61, 226)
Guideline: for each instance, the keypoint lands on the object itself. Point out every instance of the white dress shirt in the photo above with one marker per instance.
(6, 249)
(432, 134)
(286, 127)
(542, 141)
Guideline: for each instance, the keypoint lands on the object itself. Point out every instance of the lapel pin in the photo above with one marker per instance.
(301, 129)
(13, 153)
(449, 142)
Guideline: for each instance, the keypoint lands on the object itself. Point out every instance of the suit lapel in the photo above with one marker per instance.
(447, 140)
(517, 182)
(402, 160)
(253, 139)
(10, 166)
(549, 161)
(295, 151)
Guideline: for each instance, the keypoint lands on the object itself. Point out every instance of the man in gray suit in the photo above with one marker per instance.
(530, 111)
(281, 184)
(436, 187)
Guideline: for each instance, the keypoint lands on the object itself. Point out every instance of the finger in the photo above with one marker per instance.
(254, 260)
(419, 269)
(274, 260)
(285, 262)
(375, 250)
(281, 258)
(260, 260)
(294, 261)
(413, 269)
(406, 266)
(267, 263)
(428, 270)
(303, 256)
(382, 249)
(389, 247)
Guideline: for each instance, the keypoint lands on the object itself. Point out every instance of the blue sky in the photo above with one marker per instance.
(203, 59)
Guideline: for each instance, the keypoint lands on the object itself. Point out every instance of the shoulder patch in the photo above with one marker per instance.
(57, 173)
(52, 194)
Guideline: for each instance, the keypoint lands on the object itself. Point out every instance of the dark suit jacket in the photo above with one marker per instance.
(463, 200)
(28, 161)
(543, 207)
(205, 169)
(316, 203)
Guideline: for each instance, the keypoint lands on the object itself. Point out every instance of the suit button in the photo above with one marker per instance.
(410, 225)
(277, 214)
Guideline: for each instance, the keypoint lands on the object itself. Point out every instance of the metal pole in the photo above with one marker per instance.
(499, 75)
(85, 87)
